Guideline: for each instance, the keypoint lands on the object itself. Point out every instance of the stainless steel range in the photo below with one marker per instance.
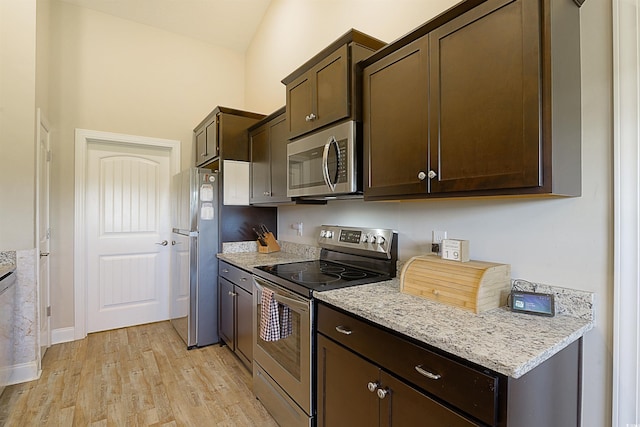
(284, 331)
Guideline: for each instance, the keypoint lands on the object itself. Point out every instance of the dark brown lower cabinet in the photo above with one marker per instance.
(370, 376)
(235, 324)
(355, 392)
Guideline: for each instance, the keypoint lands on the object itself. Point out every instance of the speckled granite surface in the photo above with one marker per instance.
(7, 262)
(290, 252)
(509, 343)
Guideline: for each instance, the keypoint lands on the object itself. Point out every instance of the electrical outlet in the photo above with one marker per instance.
(438, 236)
(298, 227)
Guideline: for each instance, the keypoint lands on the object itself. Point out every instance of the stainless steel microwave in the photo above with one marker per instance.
(323, 163)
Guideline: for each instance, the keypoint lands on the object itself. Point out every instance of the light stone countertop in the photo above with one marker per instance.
(4, 269)
(508, 343)
(7, 262)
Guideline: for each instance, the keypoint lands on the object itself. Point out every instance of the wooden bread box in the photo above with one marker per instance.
(474, 285)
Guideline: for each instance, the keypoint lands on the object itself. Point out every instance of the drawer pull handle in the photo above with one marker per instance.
(225, 270)
(372, 386)
(427, 374)
(343, 330)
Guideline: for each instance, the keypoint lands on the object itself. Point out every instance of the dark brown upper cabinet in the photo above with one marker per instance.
(268, 144)
(322, 91)
(482, 100)
(223, 134)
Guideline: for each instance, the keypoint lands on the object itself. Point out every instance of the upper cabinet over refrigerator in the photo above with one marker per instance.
(223, 134)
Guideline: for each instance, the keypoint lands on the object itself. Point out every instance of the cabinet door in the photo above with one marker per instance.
(404, 406)
(227, 310)
(260, 165)
(331, 90)
(244, 325)
(212, 139)
(395, 116)
(343, 397)
(201, 146)
(279, 138)
(299, 105)
(485, 98)
(321, 95)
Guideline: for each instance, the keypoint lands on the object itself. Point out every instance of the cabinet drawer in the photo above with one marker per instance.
(236, 276)
(467, 388)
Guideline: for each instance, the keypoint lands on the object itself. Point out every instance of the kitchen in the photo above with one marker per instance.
(87, 87)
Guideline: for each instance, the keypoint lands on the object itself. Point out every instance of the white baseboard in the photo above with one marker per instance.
(23, 372)
(61, 335)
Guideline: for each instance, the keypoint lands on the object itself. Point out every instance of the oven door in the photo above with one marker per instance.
(287, 359)
(323, 164)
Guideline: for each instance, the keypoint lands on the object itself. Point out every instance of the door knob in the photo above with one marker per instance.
(163, 243)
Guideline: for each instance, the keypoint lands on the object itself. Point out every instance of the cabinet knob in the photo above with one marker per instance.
(312, 117)
(163, 243)
(432, 174)
(382, 393)
(232, 294)
(372, 386)
(421, 176)
(307, 118)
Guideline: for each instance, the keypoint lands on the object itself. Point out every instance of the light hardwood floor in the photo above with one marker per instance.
(137, 376)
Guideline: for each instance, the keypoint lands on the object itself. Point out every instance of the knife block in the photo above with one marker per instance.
(271, 246)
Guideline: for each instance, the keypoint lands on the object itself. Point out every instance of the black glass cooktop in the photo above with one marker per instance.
(321, 275)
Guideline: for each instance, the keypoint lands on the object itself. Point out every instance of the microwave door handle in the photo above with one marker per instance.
(325, 163)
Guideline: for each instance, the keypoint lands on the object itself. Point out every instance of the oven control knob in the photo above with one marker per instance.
(329, 234)
(381, 240)
(366, 238)
(372, 239)
(323, 233)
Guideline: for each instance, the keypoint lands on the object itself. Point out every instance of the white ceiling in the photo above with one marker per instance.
(226, 23)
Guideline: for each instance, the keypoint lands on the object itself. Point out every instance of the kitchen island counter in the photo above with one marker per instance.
(508, 343)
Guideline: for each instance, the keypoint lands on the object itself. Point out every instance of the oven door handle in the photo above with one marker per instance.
(296, 305)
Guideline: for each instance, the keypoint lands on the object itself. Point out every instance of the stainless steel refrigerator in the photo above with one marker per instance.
(200, 223)
(194, 291)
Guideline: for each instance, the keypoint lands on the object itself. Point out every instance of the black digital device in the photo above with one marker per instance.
(532, 303)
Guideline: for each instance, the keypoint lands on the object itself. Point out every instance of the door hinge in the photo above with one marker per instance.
(48, 233)
(49, 311)
(48, 155)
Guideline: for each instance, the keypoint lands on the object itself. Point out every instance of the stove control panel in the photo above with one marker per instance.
(372, 241)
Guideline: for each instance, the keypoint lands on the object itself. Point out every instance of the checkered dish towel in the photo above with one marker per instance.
(269, 316)
(275, 319)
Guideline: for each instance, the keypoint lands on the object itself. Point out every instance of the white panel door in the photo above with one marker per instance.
(127, 219)
(44, 233)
